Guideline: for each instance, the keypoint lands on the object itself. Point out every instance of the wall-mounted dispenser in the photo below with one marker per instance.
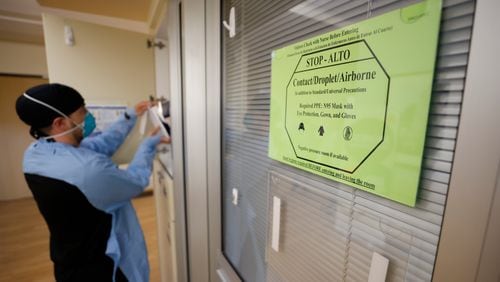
(69, 37)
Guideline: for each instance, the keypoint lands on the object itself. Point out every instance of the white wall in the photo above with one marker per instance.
(24, 59)
(106, 65)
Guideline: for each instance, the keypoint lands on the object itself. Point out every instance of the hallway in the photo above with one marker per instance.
(24, 250)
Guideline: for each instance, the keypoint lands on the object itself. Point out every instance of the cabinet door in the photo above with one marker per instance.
(161, 180)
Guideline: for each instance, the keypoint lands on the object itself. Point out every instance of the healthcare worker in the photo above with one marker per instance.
(83, 196)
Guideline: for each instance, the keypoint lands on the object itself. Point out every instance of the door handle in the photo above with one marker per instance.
(231, 26)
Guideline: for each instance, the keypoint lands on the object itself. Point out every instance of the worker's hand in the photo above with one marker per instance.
(142, 107)
(163, 140)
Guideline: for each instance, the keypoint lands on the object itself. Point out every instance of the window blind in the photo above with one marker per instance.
(329, 230)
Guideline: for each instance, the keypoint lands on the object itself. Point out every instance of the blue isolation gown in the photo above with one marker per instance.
(107, 188)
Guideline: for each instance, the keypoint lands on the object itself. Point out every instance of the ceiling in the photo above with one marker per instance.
(21, 21)
(137, 10)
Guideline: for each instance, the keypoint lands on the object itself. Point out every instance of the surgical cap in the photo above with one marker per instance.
(62, 97)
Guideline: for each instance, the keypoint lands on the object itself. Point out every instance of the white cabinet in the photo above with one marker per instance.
(163, 191)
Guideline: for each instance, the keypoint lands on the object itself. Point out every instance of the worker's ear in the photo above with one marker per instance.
(59, 124)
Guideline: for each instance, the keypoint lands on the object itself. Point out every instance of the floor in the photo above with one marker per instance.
(24, 254)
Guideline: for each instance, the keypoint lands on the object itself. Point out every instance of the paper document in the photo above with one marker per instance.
(154, 117)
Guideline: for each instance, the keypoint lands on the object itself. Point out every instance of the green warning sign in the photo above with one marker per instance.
(352, 105)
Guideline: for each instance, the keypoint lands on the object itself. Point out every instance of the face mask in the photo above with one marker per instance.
(87, 126)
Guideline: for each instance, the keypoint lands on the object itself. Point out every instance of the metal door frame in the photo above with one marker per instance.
(195, 86)
(466, 252)
(220, 268)
(213, 41)
(176, 101)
